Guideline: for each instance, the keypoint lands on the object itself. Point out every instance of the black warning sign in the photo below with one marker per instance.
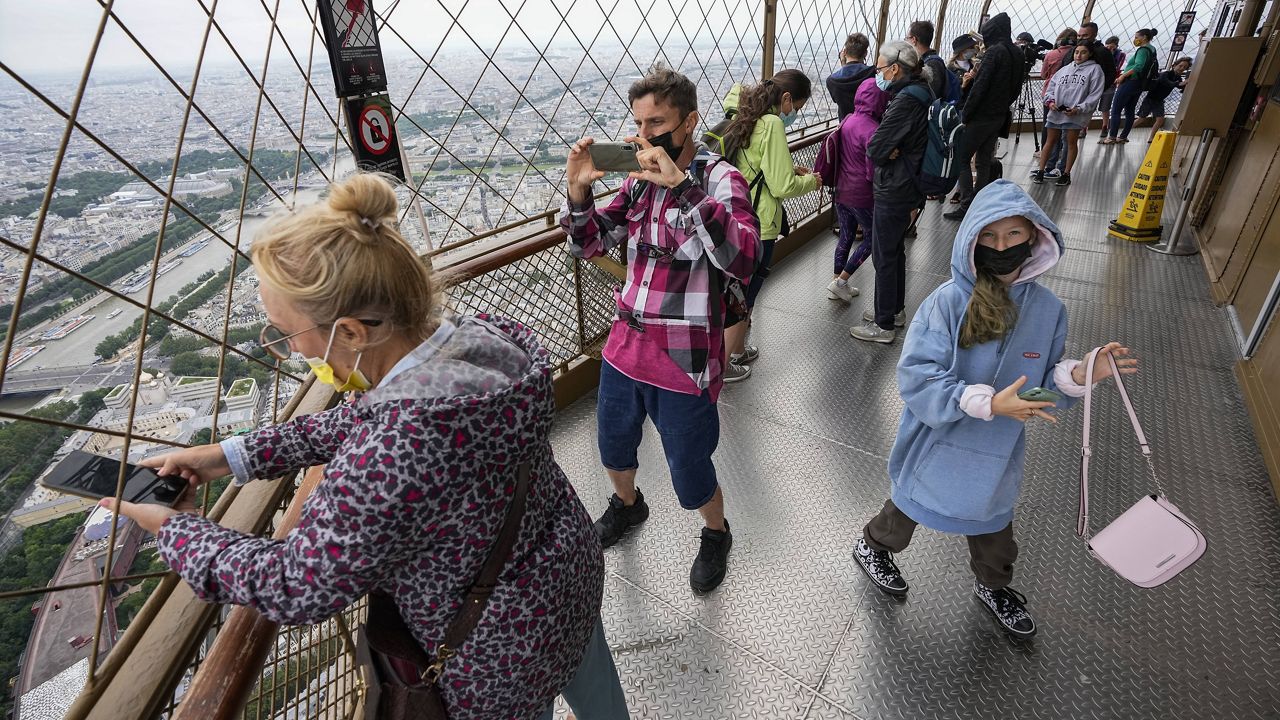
(373, 135)
(351, 33)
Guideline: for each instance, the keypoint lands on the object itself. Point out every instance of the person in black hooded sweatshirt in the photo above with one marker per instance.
(843, 83)
(986, 105)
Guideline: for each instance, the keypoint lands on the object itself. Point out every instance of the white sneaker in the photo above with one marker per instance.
(872, 332)
(1053, 173)
(899, 320)
(846, 292)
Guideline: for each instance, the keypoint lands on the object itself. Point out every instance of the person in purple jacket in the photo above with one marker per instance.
(854, 198)
(418, 472)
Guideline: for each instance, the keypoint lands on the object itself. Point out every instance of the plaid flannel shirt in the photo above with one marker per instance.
(669, 329)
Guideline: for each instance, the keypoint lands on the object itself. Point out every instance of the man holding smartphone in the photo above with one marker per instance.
(689, 228)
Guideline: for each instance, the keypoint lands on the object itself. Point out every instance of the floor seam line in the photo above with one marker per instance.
(804, 430)
(730, 641)
(831, 661)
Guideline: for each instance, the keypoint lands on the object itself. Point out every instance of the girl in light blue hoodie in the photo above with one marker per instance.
(976, 342)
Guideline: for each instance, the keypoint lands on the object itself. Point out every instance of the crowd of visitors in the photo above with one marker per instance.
(440, 467)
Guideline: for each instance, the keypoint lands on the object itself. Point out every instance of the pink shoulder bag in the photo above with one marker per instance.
(1152, 541)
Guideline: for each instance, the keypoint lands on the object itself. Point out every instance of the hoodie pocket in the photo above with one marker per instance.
(963, 483)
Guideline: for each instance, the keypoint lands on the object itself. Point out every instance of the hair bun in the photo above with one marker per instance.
(367, 199)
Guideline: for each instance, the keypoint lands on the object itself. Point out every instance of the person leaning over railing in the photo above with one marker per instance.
(689, 229)
(419, 471)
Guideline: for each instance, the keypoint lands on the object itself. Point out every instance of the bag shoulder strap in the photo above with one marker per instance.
(1082, 521)
(387, 630)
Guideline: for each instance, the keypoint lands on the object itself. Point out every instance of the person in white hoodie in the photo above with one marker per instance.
(1071, 95)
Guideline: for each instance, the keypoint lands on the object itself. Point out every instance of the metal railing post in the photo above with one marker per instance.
(937, 26)
(1172, 246)
(881, 26)
(1087, 15)
(770, 41)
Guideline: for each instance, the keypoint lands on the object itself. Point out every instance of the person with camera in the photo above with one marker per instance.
(689, 229)
(1054, 60)
(1071, 97)
(1130, 84)
(985, 110)
(422, 474)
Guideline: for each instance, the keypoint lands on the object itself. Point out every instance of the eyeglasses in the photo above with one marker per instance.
(271, 337)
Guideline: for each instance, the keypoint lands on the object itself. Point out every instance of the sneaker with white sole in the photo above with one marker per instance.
(872, 332)
(748, 355)
(845, 293)
(879, 568)
(736, 373)
(899, 320)
(1008, 607)
(1053, 173)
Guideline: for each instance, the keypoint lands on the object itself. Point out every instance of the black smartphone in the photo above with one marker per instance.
(94, 476)
(614, 157)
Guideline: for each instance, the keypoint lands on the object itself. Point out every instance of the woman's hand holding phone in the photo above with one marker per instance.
(1006, 403)
(195, 465)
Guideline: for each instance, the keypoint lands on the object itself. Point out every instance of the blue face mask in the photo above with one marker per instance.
(883, 83)
(788, 118)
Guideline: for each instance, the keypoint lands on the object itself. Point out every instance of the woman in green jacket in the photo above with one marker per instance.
(1129, 85)
(756, 143)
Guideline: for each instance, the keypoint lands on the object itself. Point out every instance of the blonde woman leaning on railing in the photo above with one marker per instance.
(420, 471)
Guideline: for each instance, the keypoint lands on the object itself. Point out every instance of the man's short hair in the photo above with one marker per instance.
(856, 46)
(666, 85)
(1113, 40)
(922, 31)
(1091, 26)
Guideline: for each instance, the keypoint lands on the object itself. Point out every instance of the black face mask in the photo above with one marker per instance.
(1001, 262)
(667, 142)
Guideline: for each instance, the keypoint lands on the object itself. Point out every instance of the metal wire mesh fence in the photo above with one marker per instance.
(141, 164)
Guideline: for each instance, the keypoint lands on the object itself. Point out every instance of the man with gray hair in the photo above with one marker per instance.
(897, 151)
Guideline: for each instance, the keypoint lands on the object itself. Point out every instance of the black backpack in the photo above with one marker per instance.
(1149, 75)
(942, 161)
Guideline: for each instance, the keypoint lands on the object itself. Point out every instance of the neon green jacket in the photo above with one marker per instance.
(768, 152)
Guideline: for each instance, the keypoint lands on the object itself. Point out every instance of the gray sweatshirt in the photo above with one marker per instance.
(1075, 85)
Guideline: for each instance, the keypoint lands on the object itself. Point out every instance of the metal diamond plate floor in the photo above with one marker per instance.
(796, 631)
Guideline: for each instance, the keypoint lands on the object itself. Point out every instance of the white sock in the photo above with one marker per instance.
(842, 282)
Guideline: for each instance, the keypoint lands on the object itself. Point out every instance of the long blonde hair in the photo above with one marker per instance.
(991, 313)
(346, 258)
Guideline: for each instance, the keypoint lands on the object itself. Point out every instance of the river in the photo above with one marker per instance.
(78, 347)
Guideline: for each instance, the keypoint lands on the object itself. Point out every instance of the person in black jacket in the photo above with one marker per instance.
(1106, 59)
(897, 151)
(932, 66)
(843, 83)
(985, 111)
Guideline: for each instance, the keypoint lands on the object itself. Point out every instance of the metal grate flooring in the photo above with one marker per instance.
(797, 632)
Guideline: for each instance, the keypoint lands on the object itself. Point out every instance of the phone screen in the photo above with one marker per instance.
(93, 476)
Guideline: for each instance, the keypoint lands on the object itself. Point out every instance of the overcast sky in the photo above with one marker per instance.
(54, 36)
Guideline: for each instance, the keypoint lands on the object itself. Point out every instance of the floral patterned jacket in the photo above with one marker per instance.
(418, 478)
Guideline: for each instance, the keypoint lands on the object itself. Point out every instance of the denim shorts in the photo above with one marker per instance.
(1063, 126)
(688, 424)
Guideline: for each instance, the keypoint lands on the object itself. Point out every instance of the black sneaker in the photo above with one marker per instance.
(618, 519)
(1037, 177)
(957, 214)
(1009, 608)
(1064, 179)
(713, 560)
(879, 566)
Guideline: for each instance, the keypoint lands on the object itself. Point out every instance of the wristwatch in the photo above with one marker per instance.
(683, 185)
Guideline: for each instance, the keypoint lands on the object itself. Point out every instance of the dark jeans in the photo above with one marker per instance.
(991, 556)
(980, 142)
(1124, 102)
(851, 219)
(888, 256)
(762, 272)
(1058, 155)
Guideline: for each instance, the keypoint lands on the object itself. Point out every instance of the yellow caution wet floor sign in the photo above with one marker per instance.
(1139, 219)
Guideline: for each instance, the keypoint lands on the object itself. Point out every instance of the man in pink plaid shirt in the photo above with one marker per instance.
(689, 227)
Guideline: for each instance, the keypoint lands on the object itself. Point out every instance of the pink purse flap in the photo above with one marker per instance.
(1150, 540)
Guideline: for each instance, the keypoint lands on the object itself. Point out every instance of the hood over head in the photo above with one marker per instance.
(871, 100)
(999, 200)
(997, 30)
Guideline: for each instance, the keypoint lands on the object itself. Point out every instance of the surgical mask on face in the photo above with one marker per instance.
(1001, 262)
(970, 54)
(788, 118)
(324, 371)
(667, 142)
(883, 82)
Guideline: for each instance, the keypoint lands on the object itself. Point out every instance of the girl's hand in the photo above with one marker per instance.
(818, 177)
(197, 465)
(802, 170)
(1102, 368)
(1006, 403)
(148, 516)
